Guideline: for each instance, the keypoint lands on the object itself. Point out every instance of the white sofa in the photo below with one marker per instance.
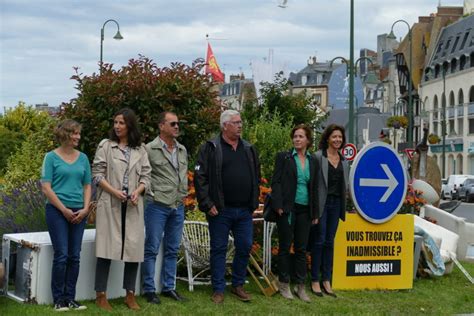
(446, 240)
(457, 225)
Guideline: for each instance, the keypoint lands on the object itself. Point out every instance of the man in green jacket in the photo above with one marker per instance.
(164, 213)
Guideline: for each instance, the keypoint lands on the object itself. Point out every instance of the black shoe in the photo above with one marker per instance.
(152, 298)
(61, 307)
(326, 291)
(320, 294)
(174, 295)
(75, 305)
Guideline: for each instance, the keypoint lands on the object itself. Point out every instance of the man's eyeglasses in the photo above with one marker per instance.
(174, 124)
(236, 122)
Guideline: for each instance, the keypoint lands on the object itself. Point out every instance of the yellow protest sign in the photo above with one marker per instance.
(374, 256)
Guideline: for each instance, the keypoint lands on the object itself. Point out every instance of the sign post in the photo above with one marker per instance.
(349, 151)
(374, 256)
(374, 248)
(378, 182)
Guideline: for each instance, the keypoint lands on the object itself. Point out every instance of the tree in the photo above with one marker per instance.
(275, 98)
(288, 109)
(25, 163)
(269, 135)
(148, 90)
(16, 126)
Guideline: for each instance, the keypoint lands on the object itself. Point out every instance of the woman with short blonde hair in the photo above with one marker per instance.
(66, 182)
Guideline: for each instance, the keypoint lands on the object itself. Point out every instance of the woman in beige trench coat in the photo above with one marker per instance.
(122, 172)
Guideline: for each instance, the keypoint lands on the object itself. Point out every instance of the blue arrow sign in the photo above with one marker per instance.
(378, 182)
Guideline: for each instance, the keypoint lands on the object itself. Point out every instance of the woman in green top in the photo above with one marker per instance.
(66, 182)
(293, 198)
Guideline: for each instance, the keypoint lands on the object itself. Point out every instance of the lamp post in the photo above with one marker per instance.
(117, 36)
(410, 101)
(343, 59)
(351, 76)
(362, 58)
(350, 67)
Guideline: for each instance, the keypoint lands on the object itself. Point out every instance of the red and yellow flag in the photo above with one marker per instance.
(212, 67)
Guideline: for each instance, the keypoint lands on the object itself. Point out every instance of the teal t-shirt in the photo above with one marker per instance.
(67, 179)
(302, 196)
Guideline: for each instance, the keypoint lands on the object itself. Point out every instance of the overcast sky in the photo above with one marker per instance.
(41, 41)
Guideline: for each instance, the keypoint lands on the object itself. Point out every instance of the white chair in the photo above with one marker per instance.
(446, 240)
(196, 244)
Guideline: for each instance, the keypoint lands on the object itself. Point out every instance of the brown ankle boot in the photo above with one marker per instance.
(101, 301)
(130, 301)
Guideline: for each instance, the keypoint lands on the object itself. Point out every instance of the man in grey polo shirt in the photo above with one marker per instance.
(165, 210)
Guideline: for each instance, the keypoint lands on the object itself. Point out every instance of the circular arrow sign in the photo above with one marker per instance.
(349, 151)
(378, 182)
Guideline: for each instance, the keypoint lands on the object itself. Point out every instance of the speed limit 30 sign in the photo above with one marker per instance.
(349, 151)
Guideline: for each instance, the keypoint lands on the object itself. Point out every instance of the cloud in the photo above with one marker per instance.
(41, 41)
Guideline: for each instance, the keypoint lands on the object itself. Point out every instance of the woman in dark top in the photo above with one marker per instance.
(332, 175)
(293, 198)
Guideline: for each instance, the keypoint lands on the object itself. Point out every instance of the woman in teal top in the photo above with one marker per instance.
(293, 198)
(66, 182)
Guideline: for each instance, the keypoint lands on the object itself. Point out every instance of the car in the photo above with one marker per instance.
(454, 181)
(443, 188)
(466, 190)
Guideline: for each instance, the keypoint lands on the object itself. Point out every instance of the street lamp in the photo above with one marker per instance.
(117, 36)
(362, 58)
(350, 72)
(343, 60)
(350, 66)
(351, 76)
(410, 101)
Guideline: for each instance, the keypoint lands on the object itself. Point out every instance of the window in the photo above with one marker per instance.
(447, 44)
(464, 39)
(462, 62)
(440, 46)
(304, 79)
(471, 126)
(453, 65)
(455, 44)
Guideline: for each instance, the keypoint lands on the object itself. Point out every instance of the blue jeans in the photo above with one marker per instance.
(239, 221)
(322, 239)
(67, 241)
(161, 220)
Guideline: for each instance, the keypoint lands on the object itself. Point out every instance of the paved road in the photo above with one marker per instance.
(465, 210)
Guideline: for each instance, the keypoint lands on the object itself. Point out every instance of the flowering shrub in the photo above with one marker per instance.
(397, 120)
(23, 210)
(264, 190)
(433, 139)
(413, 202)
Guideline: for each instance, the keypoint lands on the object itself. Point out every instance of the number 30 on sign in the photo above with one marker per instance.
(349, 151)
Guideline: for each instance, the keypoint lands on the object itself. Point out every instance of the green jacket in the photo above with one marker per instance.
(168, 185)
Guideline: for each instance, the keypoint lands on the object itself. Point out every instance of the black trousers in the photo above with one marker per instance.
(295, 231)
(102, 267)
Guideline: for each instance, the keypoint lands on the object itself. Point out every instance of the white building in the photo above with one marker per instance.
(447, 92)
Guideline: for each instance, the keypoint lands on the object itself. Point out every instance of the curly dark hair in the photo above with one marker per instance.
(308, 132)
(133, 132)
(324, 142)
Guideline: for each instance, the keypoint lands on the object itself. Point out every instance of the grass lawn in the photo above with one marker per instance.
(452, 294)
